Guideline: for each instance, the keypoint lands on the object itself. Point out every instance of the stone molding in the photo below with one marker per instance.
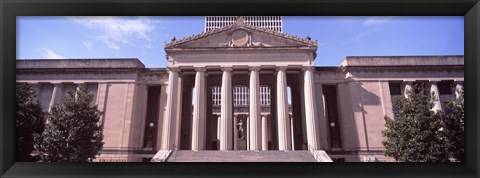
(228, 69)
(280, 68)
(238, 26)
(254, 68)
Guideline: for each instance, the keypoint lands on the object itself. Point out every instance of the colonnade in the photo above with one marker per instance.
(57, 92)
(257, 124)
(434, 89)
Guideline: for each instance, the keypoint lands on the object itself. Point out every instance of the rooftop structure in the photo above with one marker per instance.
(269, 22)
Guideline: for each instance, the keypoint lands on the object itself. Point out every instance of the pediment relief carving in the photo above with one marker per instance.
(241, 35)
(241, 38)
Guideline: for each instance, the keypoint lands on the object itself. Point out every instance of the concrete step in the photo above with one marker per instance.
(240, 156)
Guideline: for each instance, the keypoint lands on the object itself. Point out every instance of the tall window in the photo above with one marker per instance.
(151, 122)
(331, 108)
(395, 89)
(444, 88)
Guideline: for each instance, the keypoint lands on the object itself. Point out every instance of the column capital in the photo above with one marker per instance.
(200, 69)
(280, 68)
(409, 81)
(227, 69)
(254, 68)
(84, 85)
(173, 69)
(309, 68)
(434, 81)
(458, 82)
(59, 84)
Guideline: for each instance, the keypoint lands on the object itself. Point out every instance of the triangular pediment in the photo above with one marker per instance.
(240, 36)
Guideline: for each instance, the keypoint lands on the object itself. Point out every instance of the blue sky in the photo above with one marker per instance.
(144, 37)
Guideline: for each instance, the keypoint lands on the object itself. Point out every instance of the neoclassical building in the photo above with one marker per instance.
(242, 92)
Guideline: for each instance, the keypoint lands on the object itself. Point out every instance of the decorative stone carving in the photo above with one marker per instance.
(240, 38)
(239, 20)
(260, 44)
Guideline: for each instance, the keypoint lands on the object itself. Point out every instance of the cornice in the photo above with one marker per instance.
(76, 70)
(176, 43)
(402, 68)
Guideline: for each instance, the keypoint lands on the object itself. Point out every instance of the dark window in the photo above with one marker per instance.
(444, 88)
(395, 89)
(331, 108)
(151, 124)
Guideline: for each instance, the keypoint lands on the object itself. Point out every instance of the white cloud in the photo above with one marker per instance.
(372, 25)
(49, 54)
(377, 20)
(88, 45)
(360, 36)
(116, 31)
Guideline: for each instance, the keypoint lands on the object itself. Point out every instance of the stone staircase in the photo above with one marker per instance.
(240, 156)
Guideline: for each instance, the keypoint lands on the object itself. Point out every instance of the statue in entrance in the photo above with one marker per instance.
(240, 130)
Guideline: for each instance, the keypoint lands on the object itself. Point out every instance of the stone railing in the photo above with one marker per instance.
(161, 156)
(319, 155)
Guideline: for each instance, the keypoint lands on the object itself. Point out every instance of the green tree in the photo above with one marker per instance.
(454, 127)
(415, 134)
(29, 121)
(73, 131)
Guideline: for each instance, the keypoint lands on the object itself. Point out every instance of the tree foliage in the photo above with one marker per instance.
(454, 127)
(73, 130)
(29, 120)
(416, 132)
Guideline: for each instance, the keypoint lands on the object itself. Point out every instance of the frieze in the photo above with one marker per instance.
(265, 57)
(161, 78)
(409, 74)
(404, 68)
(97, 75)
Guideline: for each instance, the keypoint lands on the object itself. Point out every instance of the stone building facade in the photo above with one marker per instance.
(226, 89)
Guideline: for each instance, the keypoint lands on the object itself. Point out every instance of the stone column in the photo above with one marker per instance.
(170, 112)
(437, 106)
(310, 108)
(264, 133)
(199, 111)
(408, 87)
(248, 133)
(79, 86)
(282, 110)
(235, 132)
(219, 130)
(226, 110)
(458, 88)
(56, 95)
(255, 129)
(292, 135)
